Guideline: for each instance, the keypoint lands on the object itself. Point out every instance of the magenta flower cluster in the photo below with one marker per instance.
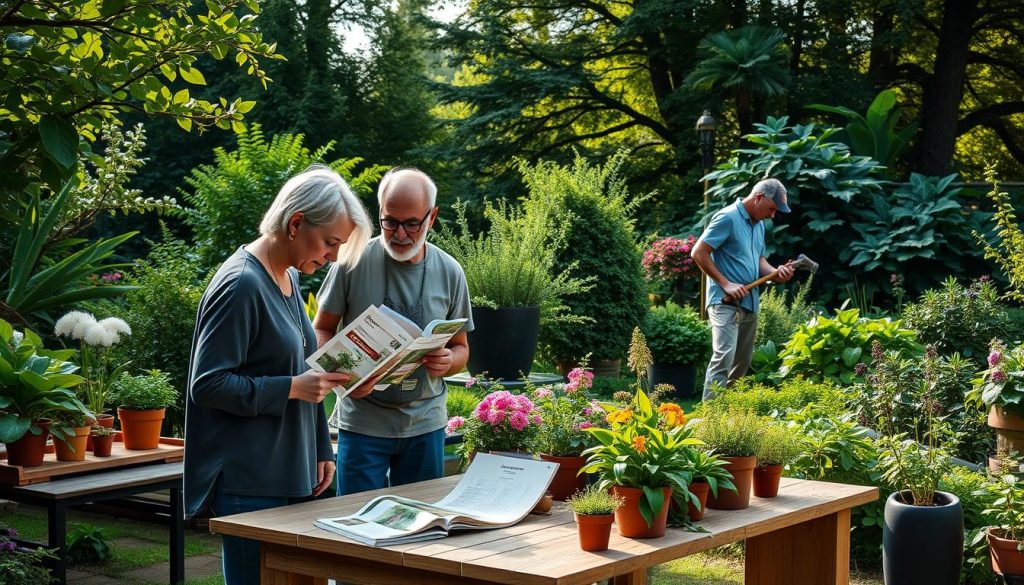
(498, 407)
(579, 379)
(669, 259)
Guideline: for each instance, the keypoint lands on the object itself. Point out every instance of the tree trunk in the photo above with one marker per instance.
(885, 51)
(940, 104)
(796, 53)
(744, 110)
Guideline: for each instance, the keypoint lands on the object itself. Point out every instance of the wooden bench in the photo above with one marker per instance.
(802, 537)
(58, 495)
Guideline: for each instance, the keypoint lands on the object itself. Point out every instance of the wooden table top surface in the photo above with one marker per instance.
(540, 549)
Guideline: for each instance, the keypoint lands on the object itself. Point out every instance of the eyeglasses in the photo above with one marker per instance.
(411, 225)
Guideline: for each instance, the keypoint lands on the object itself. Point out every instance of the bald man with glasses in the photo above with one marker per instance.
(396, 435)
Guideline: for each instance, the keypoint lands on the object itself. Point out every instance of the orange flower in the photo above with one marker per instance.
(672, 414)
(639, 444)
(620, 416)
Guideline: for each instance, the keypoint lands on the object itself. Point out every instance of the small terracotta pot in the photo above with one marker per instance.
(1009, 428)
(103, 420)
(631, 523)
(766, 480)
(101, 445)
(73, 447)
(594, 531)
(742, 470)
(140, 429)
(1006, 559)
(28, 451)
(701, 489)
(566, 481)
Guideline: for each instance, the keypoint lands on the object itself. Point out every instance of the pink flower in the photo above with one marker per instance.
(584, 425)
(572, 387)
(518, 421)
(543, 393)
(454, 423)
(537, 420)
(495, 417)
(998, 376)
(994, 357)
(470, 382)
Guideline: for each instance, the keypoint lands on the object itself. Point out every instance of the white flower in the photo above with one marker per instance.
(78, 331)
(98, 335)
(66, 325)
(116, 326)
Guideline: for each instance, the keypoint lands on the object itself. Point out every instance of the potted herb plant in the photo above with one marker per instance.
(1006, 536)
(780, 445)
(71, 432)
(515, 285)
(501, 422)
(680, 343)
(1000, 389)
(142, 403)
(566, 412)
(735, 435)
(709, 475)
(35, 384)
(594, 509)
(102, 440)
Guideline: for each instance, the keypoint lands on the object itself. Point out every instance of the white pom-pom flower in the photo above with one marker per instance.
(65, 326)
(116, 326)
(97, 335)
(83, 325)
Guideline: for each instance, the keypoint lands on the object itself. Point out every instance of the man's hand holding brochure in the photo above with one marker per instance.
(381, 344)
(495, 492)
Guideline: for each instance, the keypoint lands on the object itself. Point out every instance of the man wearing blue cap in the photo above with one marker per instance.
(731, 252)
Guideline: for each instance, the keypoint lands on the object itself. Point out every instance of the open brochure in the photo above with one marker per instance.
(381, 343)
(495, 491)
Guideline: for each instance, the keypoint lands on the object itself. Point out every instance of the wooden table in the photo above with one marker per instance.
(802, 537)
(59, 494)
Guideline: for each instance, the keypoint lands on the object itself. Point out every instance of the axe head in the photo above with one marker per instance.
(805, 263)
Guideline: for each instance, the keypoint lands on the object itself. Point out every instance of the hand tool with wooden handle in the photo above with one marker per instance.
(802, 262)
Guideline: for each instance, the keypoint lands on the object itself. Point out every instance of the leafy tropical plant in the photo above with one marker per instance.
(677, 335)
(957, 318)
(874, 134)
(151, 391)
(87, 544)
(513, 262)
(830, 348)
(1007, 248)
(710, 468)
(35, 383)
(1002, 383)
(594, 501)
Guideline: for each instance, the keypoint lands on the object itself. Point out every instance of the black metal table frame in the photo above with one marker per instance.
(56, 517)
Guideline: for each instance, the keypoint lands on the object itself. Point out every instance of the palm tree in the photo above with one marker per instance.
(750, 62)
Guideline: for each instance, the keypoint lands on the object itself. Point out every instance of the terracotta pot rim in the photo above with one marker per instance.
(770, 467)
(999, 418)
(593, 518)
(1001, 541)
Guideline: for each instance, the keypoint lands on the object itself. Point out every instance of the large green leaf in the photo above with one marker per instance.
(60, 140)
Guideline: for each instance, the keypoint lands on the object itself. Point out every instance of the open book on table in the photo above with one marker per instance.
(495, 491)
(381, 343)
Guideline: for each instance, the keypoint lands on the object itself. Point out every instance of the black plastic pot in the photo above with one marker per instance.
(503, 342)
(922, 544)
(682, 376)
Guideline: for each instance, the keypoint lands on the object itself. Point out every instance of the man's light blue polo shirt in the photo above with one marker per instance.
(738, 248)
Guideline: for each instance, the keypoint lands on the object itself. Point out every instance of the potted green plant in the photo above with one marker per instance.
(1006, 536)
(680, 343)
(142, 403)
(35, 384)
(735, 435)
(71, 431)
(709, 475)
(566, 412)
(593, 510)
(501, 422)
(1000, 389)
(515, 285)
(780, 445)
(102, 440)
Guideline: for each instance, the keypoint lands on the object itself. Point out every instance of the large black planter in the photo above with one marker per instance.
(682, 376)
(503, 341)
(923, 544)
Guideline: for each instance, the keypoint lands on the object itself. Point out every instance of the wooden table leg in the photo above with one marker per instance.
(271, 576)
(816, 552)
(637, 577)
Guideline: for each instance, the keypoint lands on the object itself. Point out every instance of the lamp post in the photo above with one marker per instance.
(706, 139)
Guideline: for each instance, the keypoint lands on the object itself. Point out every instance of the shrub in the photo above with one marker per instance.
(87, 544)
(147, 392)
(595, 205)
(22, 567)
(958, 318)
(781, 314)
(677, 335)
(792, 394)
(831, 348)
(461, 401)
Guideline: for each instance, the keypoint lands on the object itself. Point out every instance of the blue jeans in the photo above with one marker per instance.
(240, 558)
(367, 463)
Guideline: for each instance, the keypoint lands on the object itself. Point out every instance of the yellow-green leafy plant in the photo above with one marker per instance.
(1007, 251)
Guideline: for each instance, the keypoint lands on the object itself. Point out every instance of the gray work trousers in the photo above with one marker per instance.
(732, 343)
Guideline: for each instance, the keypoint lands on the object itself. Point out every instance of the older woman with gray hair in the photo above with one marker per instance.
(256, 436)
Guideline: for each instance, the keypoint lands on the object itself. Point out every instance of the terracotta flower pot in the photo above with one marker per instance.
(594, 531)
(1006, 559)
(140, 429)
(103, 420)
(1009, 429)
(566, 481)
(28, 451)
(73, 447)
(766, 480)
(742, 470)
(101, 445)
(631, 523)
(701, 489)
